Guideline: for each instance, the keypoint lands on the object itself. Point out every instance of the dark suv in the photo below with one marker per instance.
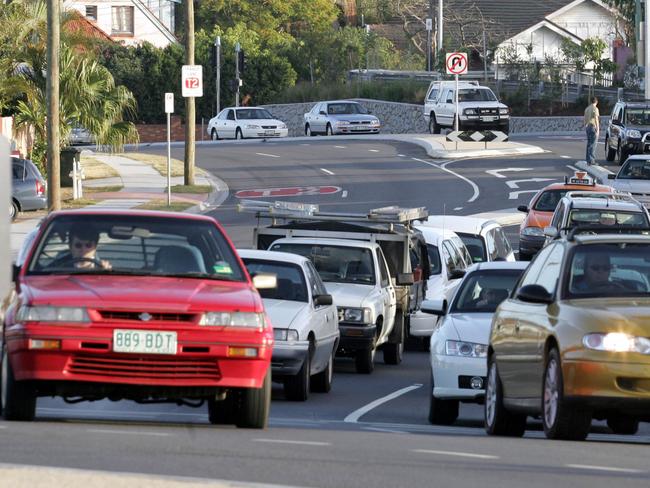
(628, 131)
(28, 187)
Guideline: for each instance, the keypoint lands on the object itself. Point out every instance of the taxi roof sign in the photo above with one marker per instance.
(579, 178)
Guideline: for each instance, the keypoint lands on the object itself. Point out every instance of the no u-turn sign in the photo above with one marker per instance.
(456, 63)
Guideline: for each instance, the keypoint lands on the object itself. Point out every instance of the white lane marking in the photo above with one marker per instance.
(573, 168)
(513, 195)
(326, 171)
(388, 431)
(305, 144)
(565, 157)
(340, 147)
(2, 427)
(515, 183)
(497, 172)
(459, 454)
(287, 441)
(128, 432)
(444, 168)
(402, 155)
(344, 194)
(603, 468)
(373, 150)
(268, 155)
(358, 413)
(458, 208)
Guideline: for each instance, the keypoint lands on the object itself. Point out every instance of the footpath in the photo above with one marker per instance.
(138, 185)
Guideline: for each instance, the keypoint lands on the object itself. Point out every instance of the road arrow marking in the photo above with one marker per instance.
(497, 172)
(515, 194)
(515, 183)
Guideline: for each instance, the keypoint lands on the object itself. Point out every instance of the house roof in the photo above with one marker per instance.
(79, 23)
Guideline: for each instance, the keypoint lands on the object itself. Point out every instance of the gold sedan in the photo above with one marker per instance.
(572, 343)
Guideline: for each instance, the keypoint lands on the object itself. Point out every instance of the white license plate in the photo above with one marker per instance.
(144, 341)
(269, 132)
(488, 118)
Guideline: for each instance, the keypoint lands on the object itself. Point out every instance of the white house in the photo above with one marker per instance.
(131, 21)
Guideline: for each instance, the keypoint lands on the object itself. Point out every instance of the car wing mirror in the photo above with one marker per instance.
(611, 176)
(323, 300)
(534, 294)
(405, 279)
(15, 272)
(550, 231)
(322, 112)
(265, 281)
(523, 208)
(434, 307)
(456, 274)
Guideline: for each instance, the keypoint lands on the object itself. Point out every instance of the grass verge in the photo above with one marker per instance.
(191, 189)
(94, 168)
(102, 189)
(158, 162)
(162, 205)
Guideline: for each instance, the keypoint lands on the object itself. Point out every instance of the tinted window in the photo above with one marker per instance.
(231, 115)
(550, 273)
(503, 246)
(318, 288)
(451, 256)
(345, 109)
(291, 282)
(607, 217)
(462, 250)
(17, 171)
(635, 170)
(434, 259)
(491, 246)
(475, 246)
(483, 291)
(534, 269)
(135, 245)
(335, 263)
(548, 200)
(433, 94)
(253, 113)
(637, 116)
(476, 95)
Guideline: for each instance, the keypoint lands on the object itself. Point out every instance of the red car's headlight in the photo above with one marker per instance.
(234, 319)
(46, 313)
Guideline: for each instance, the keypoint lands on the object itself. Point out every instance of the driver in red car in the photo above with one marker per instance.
(82, 240)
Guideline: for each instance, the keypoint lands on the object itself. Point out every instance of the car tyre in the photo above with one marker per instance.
(296, 388)
(223, 412)
(622, 154)
(498, 420)
(394, 348)
(364, 360)
(238, 134)
(214, 135)
(308, 131)
(623, 425)
(328, 130)
(254, 405)
(17, 398)
(322, 382)
(441, 412)
(610, 153)
(13, 210)
(560, 420)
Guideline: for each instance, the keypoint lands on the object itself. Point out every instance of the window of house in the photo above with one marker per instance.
(122, 21)
(91, 12)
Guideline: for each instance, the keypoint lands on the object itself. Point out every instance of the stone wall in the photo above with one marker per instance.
(406, 118)
(158, 132)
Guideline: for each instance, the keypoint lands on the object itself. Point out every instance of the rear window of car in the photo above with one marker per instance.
(291, 281)
(135, 245)
(475, 246)
(435, 266)
(607, 217)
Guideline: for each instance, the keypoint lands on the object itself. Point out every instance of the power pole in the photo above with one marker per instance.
(52, 89)
(440, 27)
(190, 106)
(429, 25)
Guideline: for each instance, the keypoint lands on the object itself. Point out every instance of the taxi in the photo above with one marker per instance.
(572, 342)
(540, 211)
(144, 306)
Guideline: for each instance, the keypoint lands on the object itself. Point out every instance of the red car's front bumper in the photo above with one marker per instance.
(205, 357)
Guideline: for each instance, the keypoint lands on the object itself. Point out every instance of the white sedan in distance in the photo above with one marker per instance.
(305, 322)
(245, 123)
(459, 344)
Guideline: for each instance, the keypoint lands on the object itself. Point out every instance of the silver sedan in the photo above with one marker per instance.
(340, 117)
(634, 178)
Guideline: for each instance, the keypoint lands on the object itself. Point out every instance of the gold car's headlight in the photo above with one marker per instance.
(617, 342)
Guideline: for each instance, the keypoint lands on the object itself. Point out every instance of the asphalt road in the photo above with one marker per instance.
(369, 430)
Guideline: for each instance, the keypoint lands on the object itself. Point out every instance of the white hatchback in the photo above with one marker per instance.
(245, 123)
(304, 319)
(459, 344)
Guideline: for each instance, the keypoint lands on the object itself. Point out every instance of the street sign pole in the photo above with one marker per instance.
(429, 26)
(237, 49)
(169, 109)
(456, 101)
(217, 43)
(646, 36)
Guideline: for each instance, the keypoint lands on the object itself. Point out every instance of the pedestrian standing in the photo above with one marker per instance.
(592, 126)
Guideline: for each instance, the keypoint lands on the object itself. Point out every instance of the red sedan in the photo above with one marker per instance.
(144, 306)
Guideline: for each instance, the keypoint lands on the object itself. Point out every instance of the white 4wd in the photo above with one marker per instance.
(478, 106)
(357, 276)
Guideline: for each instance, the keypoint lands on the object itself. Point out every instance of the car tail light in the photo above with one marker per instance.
(40, 188)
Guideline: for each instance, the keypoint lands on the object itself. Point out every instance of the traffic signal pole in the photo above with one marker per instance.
(237, 49)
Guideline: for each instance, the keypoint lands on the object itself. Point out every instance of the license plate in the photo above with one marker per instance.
(488, 118)
(144, 341)
(269, 132)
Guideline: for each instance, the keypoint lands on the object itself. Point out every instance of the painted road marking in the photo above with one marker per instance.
(373, 150)
(497, 172)
(344, 194)
(603, 468)
(515, 183)
(402, 155)
(388, 431)
(128, 432)
(458, 454)
(293, 191)
(513, 195)
(444, 168)
(267, 155)
(565, 157)
(358, 413)
(288, 441)
(340, 147)
(458, 208)
(305, 144)
(326, 171)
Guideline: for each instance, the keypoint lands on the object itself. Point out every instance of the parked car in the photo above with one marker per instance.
(634, 178)
(479, 107)
(615, 210)
(28, 187)
(340, 117)
(459, 343)
(245, 123)
(483, 238)
(628, 131)
(81, 135)
(539, 211)
(571, 343)
(448, 261)
(146, 306)
(304, 318)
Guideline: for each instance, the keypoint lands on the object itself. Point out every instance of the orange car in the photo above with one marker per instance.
(541, 208)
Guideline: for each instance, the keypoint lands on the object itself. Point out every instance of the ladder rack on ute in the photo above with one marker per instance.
(392, 215)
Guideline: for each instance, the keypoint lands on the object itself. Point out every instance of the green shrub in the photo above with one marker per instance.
(407, 91)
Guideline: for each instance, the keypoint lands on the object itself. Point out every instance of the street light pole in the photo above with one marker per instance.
(52, 89)
(237, 49)
(217, 44)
